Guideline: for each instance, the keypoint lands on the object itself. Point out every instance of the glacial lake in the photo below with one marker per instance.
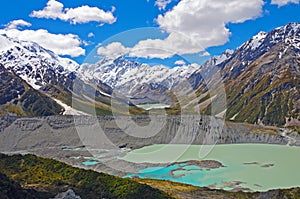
(90, 163)
(250, 167)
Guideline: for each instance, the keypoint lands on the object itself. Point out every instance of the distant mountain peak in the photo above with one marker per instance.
(293, 26)
(134, 79)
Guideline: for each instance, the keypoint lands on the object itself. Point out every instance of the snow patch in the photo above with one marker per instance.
(68, 109)
(257, 40)
(5, 44)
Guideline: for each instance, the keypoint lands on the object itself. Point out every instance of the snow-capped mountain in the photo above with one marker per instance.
(233, 63)
(130, 77)
(261, 78)
(208, 69)
(258, 45)
(33, 63)
(48, 74)
(17, 97)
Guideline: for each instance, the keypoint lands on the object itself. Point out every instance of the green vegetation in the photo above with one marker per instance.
(204, 98)
(178, 190)
(19, 98)
(31, 177)
(37, 104)
(10, 189)
(14, 109)
(49, 177)
(269, 100)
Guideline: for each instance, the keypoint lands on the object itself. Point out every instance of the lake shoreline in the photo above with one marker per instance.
(246, 167)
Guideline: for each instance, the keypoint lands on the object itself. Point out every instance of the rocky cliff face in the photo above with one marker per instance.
(141, 83)
(19, 134)
(45, 74)
(17, 97)
(261, 79)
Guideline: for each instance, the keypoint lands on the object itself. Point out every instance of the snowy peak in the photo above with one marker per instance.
(216, 60)
(260, 44)
(257, 40)
(290, 30)
(264, 41)
(128, 77)
(5, 43)
(32, 62)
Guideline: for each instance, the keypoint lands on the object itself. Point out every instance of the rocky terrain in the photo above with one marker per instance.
(261, 79)
(20, 179)
(72, 139)
(257, 83)
(20, 98)
(141, 83)
(64, 131)
(32, 177)
(254, 86)
(46, 74)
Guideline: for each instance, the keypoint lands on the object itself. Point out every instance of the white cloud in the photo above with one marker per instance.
(91, 34)
(180, 62)
(195, 25)
(116, 49)
(205, 54)
(283, 2)
(82, 14)
(17, 23)
(87, 43)
(61, 44)
(162, 4)
(113, 50)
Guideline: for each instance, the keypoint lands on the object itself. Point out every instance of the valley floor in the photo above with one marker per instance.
(59, 138)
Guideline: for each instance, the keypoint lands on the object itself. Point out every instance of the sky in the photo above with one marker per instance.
(168, 32)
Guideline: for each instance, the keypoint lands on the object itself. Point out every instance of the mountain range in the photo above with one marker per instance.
(260, 79)
(48, 75)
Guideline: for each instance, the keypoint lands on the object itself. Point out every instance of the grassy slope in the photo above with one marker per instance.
(19, 98)
(33, 177)
(50, 177)
(10, 189)
(181, 191)
(267, 90)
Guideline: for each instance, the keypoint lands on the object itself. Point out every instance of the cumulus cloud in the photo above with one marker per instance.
(17, 23)
(195, 25)
(280, 3)
(82, 14)
(61, 44)
(205, 54)
(162, 4)
(113, 50)
(180, 62)
(91, 34)
(116, 49)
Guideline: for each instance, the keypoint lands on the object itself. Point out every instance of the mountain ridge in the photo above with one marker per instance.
(247, 74)
(51, 75)
(250, 77)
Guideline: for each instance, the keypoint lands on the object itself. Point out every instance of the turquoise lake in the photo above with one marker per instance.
(90, 163)
(256, 167)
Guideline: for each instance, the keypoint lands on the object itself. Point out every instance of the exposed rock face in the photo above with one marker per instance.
(19, 134)
(261, 79)
(34, 79)
(70, 194)
(142, 83)
(19, 98)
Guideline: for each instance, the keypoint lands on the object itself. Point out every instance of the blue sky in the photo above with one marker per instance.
(75, 33)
